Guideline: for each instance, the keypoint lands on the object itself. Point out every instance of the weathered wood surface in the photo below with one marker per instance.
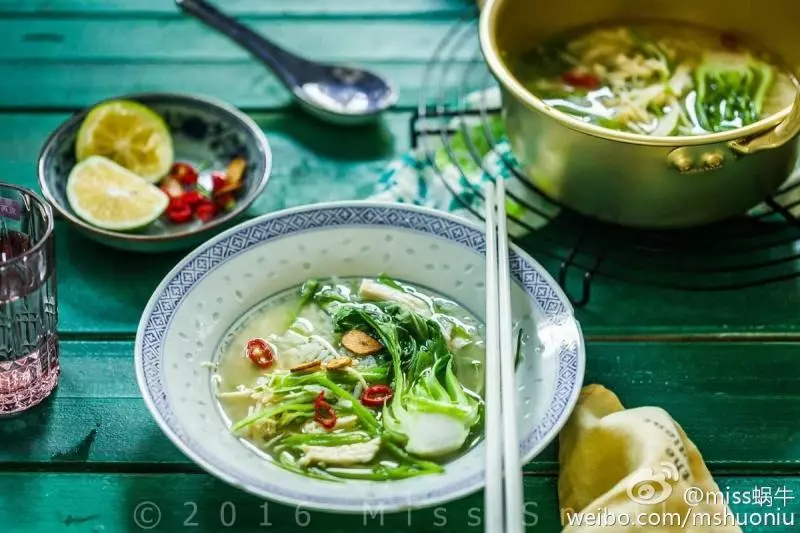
(724, 364)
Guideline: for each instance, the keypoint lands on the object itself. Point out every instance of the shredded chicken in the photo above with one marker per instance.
(372, 290)
(636, 70)
(298, 345)
(600, 70)
(632, 105)
(454, 342)
(602, 45)
(348, 454)
(344, 422)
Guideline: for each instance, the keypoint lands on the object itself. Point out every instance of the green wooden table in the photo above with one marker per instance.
(726, 365)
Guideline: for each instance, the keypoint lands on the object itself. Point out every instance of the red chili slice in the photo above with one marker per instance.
(324, 413)
(184, 172)
(219, 180)
(205, 211)
(176, 202)
(193, 198)
(583, 80)
(179, 213)
(376, 395)
(260, 352)
(320, 399)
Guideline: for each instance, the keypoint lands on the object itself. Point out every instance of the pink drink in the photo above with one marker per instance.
(29, 366)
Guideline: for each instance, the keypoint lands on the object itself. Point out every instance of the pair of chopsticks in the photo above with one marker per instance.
(503, 493)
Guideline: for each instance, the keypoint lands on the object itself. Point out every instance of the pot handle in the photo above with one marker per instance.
(777, 136)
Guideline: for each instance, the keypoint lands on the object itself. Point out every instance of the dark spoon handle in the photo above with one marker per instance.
(285, 64)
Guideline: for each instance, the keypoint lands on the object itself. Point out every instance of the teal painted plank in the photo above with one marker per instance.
(174, 502)
(88, 272)
(246, 84)
(180, 40)
(315, 162)
(87, 432)
(237, 7)
(737, 402)
(23, 137)
(620, 308)
(100, 290)
(307, 153)
(312, 162)
(617, 307)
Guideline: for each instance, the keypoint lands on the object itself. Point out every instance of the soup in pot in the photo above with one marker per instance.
(657, 79)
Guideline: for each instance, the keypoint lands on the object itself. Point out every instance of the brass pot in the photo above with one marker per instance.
(635, 180)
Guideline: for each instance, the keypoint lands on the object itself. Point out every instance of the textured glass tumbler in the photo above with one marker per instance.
(29, 366)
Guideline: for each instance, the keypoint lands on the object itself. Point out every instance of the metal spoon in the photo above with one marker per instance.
(342, 95)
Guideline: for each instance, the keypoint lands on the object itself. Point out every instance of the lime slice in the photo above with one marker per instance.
(112, 197)
(130, 134)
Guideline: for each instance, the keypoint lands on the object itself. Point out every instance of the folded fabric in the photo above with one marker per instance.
(634, 470)
(452, 177)
(451, 180)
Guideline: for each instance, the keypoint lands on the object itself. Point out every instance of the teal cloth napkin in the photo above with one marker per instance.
(454, 180)
(413, 179)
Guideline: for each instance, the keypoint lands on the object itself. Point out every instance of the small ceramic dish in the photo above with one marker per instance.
(193, 308)
(205, 133)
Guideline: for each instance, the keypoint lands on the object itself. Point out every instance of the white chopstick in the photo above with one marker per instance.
(508, 382)
(503, 496)
(493, 427)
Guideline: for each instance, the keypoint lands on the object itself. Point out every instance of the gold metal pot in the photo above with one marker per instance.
(635, 180)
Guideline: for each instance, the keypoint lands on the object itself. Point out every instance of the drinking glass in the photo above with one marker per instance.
(29, 365)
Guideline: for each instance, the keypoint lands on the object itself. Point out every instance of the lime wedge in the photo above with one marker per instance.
(112, 197)
(130, 134)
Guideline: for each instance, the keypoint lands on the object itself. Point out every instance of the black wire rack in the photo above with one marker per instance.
(758, 248)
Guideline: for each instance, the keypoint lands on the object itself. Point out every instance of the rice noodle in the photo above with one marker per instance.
(656, 78)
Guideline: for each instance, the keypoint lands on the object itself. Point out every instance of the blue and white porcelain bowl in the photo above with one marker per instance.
(205, 132)
(215, 285)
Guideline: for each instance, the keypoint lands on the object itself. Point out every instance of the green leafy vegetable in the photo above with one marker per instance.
(430, 413)
(296, 405)
(322, 378)
(328, 294)
(731, 89)
(323, 439)
(387, 280)
(307, 292)
(371, 375)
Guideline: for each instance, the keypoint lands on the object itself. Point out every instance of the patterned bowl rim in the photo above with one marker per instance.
(525, 271)
(197, 100)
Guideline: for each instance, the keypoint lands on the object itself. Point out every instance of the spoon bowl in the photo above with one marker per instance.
(347, 96)
(335, 93)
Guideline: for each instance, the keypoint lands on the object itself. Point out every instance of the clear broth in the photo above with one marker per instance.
(643, 78)
(234, 371)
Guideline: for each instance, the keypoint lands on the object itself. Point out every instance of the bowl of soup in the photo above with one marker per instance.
(332, 356)
(679, 115)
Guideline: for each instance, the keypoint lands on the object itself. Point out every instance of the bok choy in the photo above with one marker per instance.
(731, 89)
(357, 379)
(431, 412)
